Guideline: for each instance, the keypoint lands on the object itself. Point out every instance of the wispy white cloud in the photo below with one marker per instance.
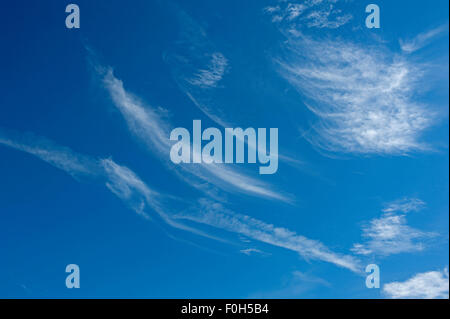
(322, 19)
(423, 39)
(148, 203)
(144, 122)
(136, 116)
(293, 10)
(250, 251)
(126, 185)
(197, 66)
(390, 234)
(212, 74)
(148, 126)
(364, 97)
(311, 13)
(63, 158)
(120, 180)
(216, 215)
(133, 191)
(427, 285)
(404, 205)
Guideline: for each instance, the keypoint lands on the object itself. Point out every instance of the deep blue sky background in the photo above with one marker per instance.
(49, 219)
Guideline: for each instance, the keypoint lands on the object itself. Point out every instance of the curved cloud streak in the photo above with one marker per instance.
(320, 14)
(363, 97)
(197, 66)
(132, 190)
(145, 123)
(214, 214)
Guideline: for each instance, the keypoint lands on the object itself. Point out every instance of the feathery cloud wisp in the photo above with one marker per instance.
(311, 13)
(63, 158)
(146, 124)
(363, 97)
(197, 66)
(212, 74)
(126, 185)
(427, 285)
(135, 115)
(296, 286)
(404, 205)
(250, 251)
(422, 39)
(120, 180)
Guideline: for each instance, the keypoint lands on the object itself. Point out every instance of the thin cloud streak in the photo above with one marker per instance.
(216, 215)
(320, 14)
(126, 185)
(145, 123)
(198, 68)
(118, 179)
(404, 205)
(251, 251)
(298, 284)
(423, 39)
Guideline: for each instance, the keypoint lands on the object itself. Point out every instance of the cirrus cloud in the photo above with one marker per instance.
(364, 97)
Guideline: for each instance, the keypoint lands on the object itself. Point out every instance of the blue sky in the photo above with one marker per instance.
(86, 177)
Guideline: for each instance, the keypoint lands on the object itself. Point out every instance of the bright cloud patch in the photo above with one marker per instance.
(390, 233)
(428, 285)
